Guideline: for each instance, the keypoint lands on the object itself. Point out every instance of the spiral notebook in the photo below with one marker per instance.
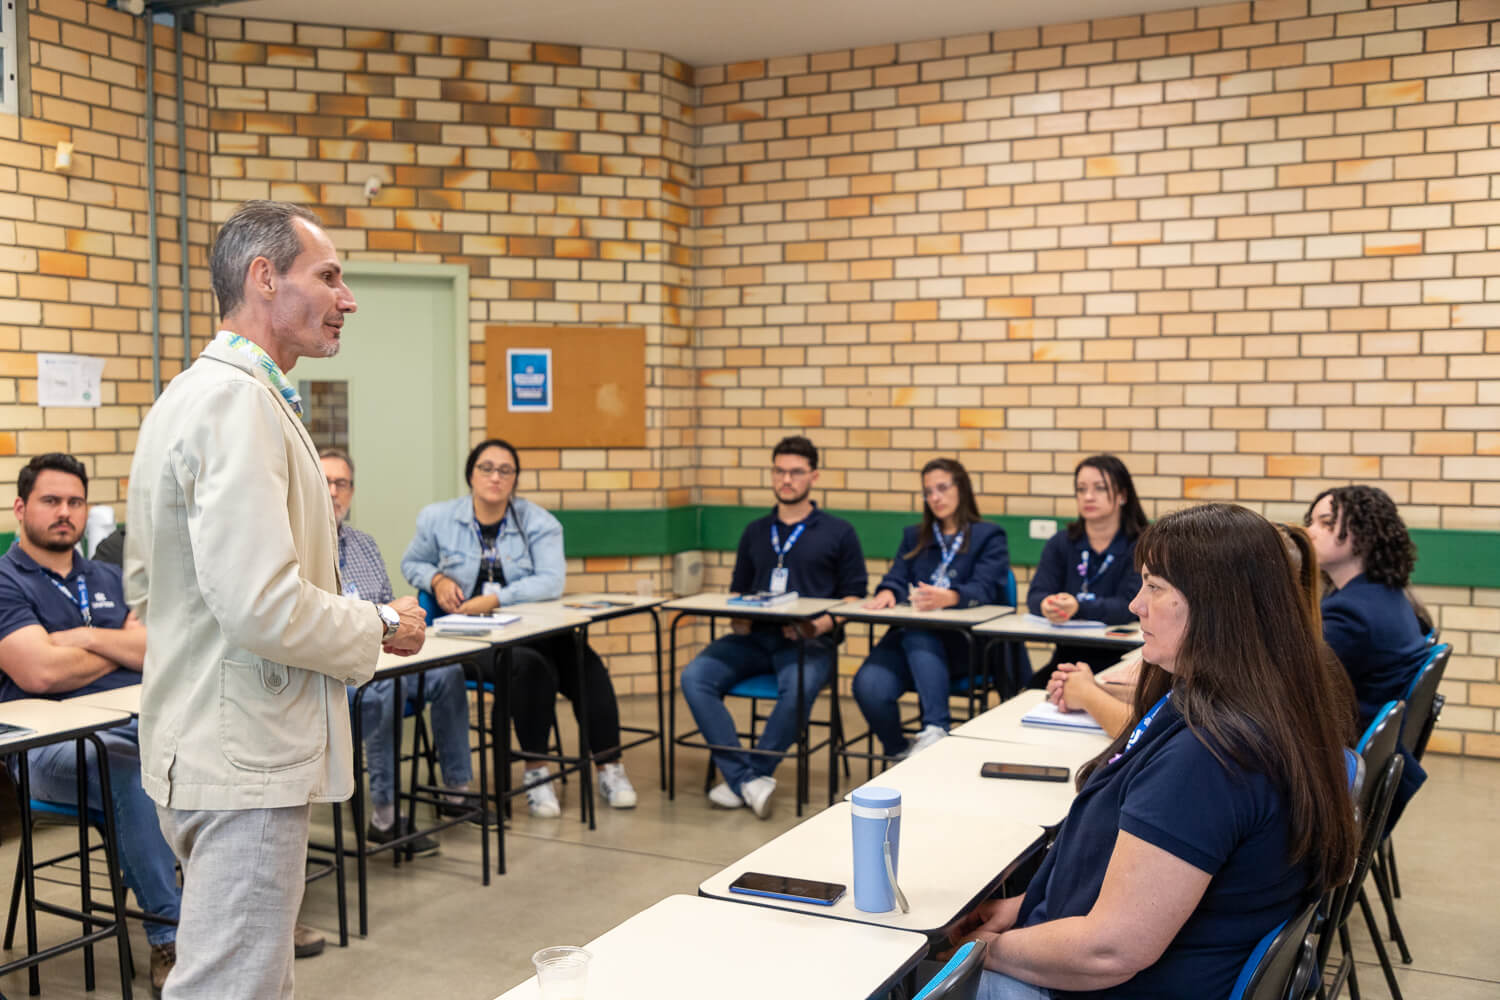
(1047, 714)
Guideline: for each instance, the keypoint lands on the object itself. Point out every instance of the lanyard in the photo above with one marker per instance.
(1083, 571)
(776, 542)
(82, 599)
(948, 554)
(1141, 727)
(489, 551)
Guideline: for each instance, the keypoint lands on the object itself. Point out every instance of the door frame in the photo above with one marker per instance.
(457, 277)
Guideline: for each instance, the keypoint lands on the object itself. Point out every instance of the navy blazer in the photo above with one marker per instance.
(979, 572)
(1114, 589)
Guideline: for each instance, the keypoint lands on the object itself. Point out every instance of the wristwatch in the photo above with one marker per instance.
(390, 619)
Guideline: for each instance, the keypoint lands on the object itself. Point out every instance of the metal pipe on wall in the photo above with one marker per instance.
(182, 199)
(152, 256)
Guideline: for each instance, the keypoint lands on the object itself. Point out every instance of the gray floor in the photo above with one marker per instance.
(435, 931)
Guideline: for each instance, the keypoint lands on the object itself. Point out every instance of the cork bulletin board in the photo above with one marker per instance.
(595, 386)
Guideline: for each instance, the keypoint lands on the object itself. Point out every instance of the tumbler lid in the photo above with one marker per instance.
(876, 797)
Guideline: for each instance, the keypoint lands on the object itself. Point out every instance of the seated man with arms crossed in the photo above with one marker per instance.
(65, 631)
(362, 571)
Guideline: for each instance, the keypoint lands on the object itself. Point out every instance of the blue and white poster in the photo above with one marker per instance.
(529, 372)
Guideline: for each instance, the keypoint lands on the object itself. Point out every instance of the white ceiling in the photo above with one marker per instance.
(698, 32)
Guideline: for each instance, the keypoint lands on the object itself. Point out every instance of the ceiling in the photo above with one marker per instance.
(698, 32)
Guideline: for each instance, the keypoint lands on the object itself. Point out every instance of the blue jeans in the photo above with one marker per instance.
(450, 729)
(148, 864)
(906, 659)
(999, 986)
(730, 659)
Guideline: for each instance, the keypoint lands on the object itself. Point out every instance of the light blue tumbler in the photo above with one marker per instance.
(877, 846)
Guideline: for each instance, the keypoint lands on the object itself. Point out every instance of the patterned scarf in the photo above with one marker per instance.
(263, 361)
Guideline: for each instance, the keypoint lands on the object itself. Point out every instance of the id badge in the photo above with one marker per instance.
(491, 589)
(350, 590)
(779, 576)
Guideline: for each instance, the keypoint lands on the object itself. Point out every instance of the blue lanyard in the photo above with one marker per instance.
(82, 600)
(1141, 727)
(489, 553)
(1083, 571)
(948, 554)
(776, 542)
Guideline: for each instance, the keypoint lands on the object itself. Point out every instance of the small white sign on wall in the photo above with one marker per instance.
(68, 380)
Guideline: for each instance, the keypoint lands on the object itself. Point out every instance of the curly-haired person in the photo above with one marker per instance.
(1365, 552)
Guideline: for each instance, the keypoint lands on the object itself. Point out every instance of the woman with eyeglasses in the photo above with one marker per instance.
(492, 549)
(1088, 571)
(952, 559)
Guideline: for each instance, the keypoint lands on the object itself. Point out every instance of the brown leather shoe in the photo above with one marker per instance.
(163, 957)
(307, 942)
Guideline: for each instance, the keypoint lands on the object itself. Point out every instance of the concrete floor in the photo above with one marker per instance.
(435, 931)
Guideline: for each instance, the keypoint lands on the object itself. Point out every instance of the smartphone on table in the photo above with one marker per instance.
(798, 890)
(1023, 772)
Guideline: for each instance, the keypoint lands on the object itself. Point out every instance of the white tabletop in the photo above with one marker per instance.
(434, 648)
(1003, 724)
(47, 718)
(1024, 626)
(121, 699)
(947, 864)
(718, 604)
(570, 604)
(905, 614)
(945, 778)
(693, 948)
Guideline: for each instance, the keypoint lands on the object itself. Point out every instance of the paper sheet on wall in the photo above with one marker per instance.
(68, 380)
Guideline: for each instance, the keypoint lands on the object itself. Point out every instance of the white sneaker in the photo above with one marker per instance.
(757, 795)
(926, 738)
(724, 797)
(541, 800)
(615, 786)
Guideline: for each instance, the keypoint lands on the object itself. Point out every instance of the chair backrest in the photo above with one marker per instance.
(959, 979)
(429, 605)
(1381, 790)
(1378, 743)
(1269, 971)
(1010, 587)
(1419, 699)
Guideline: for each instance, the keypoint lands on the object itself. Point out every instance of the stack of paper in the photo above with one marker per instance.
(1047, 714)
(764, 599)
(471, 624)
(1070, 623)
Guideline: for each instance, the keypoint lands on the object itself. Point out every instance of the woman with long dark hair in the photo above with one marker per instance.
(952, 559)
(1087, 572)
(490, 549)
(1222, 810)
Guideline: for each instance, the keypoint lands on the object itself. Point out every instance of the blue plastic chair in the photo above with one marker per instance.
(959, 978)
(1282, 961)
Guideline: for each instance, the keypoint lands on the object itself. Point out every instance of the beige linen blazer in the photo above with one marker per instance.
(232, 563)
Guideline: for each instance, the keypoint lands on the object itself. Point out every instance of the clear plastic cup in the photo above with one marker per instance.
(562, 972)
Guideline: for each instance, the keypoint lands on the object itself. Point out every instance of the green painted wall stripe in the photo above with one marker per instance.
(1447, 558)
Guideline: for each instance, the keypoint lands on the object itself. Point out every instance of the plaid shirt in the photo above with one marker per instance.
(360, 565)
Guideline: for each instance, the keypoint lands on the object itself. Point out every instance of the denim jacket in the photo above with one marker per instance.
(447, 542)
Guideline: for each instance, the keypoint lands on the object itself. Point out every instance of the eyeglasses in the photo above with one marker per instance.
(789, 473)
(503, 471)
(937, 490)
(342, 485)
(1091, 489)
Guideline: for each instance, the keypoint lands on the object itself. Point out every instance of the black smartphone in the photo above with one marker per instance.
(9, 731)
(1023, 772)
(799, 890)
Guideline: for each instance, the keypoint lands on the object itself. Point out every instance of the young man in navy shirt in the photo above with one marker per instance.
(796, 547)
(65, 631)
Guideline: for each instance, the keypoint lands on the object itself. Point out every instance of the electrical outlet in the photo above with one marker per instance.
(1042, 529)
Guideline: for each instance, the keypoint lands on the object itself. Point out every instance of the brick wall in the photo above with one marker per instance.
(1251, 248)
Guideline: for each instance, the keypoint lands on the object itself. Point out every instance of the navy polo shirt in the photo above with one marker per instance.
(827, 560)
(1112, 590)
(32, 595)
(1233, 824)
(1374, 632)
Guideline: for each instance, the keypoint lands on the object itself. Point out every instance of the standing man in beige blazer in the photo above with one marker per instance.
(232, 563)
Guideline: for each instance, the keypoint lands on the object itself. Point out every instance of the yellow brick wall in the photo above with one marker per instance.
(1254, 249)
(1251, 247)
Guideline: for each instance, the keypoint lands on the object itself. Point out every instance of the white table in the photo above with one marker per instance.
(710, 605)
(1003, 724)
(948, 863)
(125, 699)
(945, 778)
(1027, 628)
(691, 948)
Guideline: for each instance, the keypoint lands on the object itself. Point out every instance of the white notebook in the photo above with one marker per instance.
(1047, 714)
(1070, 623)
(471, 624)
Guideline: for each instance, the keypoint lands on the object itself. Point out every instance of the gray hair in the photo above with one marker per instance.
(257, 229)
(341, 455)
